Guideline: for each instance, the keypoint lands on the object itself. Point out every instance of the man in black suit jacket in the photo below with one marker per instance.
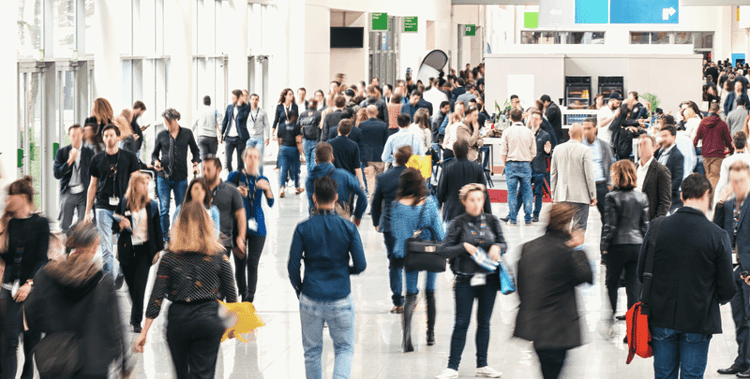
(653, 179)
(374, 134)
(671, 158)
(455, 175)
(731, 215)
(386, 190)
(234, 129)
(346, 153)
(71, 167)
(554, 116)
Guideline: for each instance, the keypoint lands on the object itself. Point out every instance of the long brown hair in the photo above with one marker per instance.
(411, 184)
(422, 118)
(199, 181)
(282, 98)
(624, 175)
(103, 111)
(137, 200)
(194, 231)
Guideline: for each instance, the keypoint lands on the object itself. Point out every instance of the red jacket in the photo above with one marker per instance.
(715, 136)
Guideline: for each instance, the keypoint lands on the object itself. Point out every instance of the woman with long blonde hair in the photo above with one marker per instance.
(127, 138)
(193, 275)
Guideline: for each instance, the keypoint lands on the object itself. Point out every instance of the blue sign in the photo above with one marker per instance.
(737, 57)
(592, 11)
(644, 12)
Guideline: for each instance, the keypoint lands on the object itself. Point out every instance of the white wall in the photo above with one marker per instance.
(9, 78)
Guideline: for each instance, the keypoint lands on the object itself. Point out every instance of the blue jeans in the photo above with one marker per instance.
(104, 227)
(164, 189)
(289, 165)
(412, 279)
(515, 173)
(675, 352)
(537, 180)
(309, 146)
(395, 271)
(339, 316)
(465, 294)
(260, 144)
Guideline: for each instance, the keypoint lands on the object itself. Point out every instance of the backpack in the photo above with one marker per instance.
(309, 127)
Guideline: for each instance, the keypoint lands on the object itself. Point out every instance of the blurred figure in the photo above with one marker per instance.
(127, 137)
(193, 274)
(206, 128)
(28, 241)
(71, 167)
(572, 176)
(199, 191)
(467, 234)
(547, 274)
(456, 174)
(73, 294)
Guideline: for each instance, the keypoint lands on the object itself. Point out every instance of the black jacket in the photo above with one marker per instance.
(175, 167)
(658, 188)
(456, 174)
(386, 190)
(280, 114)
(626, 215)
(692, 273)
(724, 218)
(676, 167)
(63, 172)
(382, 108)
(36, 232)
(155, 241)
(243, 111)
(459, 231)
(374, 135)
(437, 122)
(330, 121)
(539, 163)
(547, 274)
(554, 116)
(622, 139)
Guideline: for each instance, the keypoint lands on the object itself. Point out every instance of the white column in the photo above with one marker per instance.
(9, 97)
(296, 44)
(178, 44)
(107, 65)
(238, 48)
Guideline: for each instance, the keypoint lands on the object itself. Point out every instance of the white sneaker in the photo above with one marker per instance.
(448, 374)
(488, 372)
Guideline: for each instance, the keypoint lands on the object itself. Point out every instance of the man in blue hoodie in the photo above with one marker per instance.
(348, 185)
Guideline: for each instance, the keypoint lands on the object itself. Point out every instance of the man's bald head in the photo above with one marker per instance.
(372, 111)
(576, 132)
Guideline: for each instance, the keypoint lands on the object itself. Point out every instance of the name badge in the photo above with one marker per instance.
(478, 280)
(114, 201)
(252, 224)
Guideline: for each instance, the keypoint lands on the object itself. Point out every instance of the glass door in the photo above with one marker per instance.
(30, 141)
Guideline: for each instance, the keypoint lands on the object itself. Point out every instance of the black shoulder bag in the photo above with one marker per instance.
(422, 255)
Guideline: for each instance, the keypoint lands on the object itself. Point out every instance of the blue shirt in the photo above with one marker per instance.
(347, 183)
(596, 155)
(405, 219)
(401, 138)
(256, 211)
(325, 242)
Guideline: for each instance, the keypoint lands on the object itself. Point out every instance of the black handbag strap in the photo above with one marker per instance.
(648, 272)
(418, 232)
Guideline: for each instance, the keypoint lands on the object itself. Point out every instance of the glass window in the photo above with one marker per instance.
(30, 27)
(639, 38)
(577, 38)
(63, 27)
(542, 38)
(127, 81)
(659, 38)
(89, 5)
(704, 40)
(683, 38)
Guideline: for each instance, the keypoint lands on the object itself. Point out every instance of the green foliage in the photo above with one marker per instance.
(652, 101)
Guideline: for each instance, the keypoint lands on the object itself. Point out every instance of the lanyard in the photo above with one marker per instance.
(256, 115)
(113, 173)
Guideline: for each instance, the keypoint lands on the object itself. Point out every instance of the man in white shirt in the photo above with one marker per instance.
(206, 128)
(434, 95)
(517, 149)
(740, 154)
(605, 116)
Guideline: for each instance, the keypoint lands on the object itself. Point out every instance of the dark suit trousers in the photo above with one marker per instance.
(232, 144)
(622, 257)
(552, 362)
(135, 270)
(246, 270)
(741, 316)
(193, 334)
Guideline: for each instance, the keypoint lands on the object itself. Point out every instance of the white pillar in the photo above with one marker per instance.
(238, 48)
(107, 65)
(296, 45)
(9, 97)
(178, 44)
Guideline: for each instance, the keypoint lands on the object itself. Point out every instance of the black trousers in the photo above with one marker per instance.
(193, 334)
(135, 269)
(208, 146)
(246, 270)
(552, 362)
(232, 144)
(623, 257)
(11, 314)
(741, 315)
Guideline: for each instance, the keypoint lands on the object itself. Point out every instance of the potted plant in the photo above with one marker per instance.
(652, 104)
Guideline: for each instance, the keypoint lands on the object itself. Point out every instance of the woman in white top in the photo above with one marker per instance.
(421, 128)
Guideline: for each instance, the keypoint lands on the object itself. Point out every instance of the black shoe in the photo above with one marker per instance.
(745, 374)
(137, 329)
(535, 219)
(620, 318)
(529, 223)
(732, 370)
(505, 219)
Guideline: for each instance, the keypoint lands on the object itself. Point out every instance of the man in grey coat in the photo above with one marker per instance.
(736, 118)
(572, 175)
(601, 155)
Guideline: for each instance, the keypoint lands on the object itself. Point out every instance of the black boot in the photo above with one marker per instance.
(409, 304)
(430, 296)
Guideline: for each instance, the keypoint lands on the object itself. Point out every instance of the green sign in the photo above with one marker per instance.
(379, 21)
(20, 158)
(410, 24)
(55, 147)
(470, 30)
(531, 20)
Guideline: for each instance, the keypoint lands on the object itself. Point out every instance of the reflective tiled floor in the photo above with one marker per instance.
(275, 351)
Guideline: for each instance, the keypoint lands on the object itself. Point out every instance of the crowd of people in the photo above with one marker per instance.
(413, 153)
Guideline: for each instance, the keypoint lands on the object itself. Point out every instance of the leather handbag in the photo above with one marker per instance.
(639, 335)
(422, 255)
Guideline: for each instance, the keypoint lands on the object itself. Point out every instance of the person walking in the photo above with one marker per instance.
(692, 272)
(73, 296)
(348, 187)
(234, 128)
(198, 191)
(170, 161)
(206, 127)
(411, 211)
(517, 150)
(346, 153)
(547, 275)
(653, 178)
(626, 223)
(374, 137)
(284, 107)
(71, 168)
(572, 175)
(740, 154)
(326, 243)
(374, 99)
(252, 186)
(403, 137)
(193, 274)
(257, 128)
(554, 116)
(289, 137)
(669, 156)
(457, 174)
(601, 155)
(139, 243)
(714, 133)
(309, 122)
(736, 118)
(467, 234)
(138, 109)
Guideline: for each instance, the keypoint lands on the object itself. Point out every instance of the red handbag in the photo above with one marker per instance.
(639, 334)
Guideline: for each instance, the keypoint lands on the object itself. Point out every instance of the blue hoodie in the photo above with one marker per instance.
(347, 182)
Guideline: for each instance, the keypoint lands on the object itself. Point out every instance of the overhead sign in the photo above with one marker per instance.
(410, 24)
(592, 11)
(379, 21)
(531, 20)
(557, 12)
(644, 11)
(470, 30)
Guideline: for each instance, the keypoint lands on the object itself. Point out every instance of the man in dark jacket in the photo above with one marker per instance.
(374, 135)
(386, 190)
(625, 128)
(332, 119)
(653, 179)
(692, 276)
(346, 153)
(373, 98)
(730, 216)
(71, 167)
(716, 140)
(347, 183)
(554, 116)
(455, 175)
(234, 129)
(671, 158)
